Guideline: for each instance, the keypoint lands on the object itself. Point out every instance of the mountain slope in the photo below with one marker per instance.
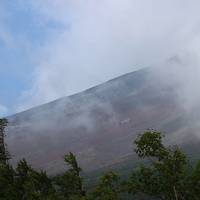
(99, 124)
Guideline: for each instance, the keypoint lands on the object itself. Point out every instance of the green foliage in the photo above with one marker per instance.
(70, 184)
(150, 144)
(7, 185)
(3, 124)
(31, 184)
(167, 176)
(4, 155)
(108, 188)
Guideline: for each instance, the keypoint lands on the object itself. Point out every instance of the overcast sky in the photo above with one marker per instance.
(54, 48)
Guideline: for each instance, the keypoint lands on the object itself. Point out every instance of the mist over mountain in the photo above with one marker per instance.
(99, 124)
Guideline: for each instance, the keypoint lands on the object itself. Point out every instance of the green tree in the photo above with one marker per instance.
(31, 184)
(165, 176)
(108, 188)
(70, 184)
(4, 155)
(7, 189)
(192, 183)
(22, 175)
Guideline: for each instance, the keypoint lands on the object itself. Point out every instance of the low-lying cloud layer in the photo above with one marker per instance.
(94, 41)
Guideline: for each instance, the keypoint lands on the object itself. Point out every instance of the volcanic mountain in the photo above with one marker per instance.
(99, 124)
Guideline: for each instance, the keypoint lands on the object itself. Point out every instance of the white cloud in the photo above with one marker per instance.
(103, 39)
(3, 110)
(5, 36)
